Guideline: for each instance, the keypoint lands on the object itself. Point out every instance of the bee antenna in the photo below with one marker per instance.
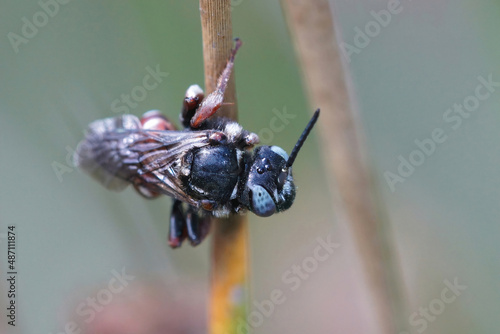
(302, 139)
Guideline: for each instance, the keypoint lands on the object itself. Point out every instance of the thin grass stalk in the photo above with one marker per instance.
(313, 32)
(229, 257)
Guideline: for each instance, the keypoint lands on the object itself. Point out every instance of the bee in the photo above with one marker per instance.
(208, 168)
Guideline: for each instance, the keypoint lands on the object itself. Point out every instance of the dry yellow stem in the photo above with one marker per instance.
(229, 286)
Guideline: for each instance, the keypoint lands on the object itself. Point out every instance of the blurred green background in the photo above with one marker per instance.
(72, 233)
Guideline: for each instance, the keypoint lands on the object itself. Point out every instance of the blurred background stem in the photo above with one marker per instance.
(229, 259)
(313, 32)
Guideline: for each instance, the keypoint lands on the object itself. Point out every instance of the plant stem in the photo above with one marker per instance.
(229, 286)
(312, 27)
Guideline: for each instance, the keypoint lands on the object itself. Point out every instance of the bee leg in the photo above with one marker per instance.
(146, 191)
(155, 120)
(197, 226)
(214, 100)
(205, 223)
(217, 138)
(145, 186)
(176, 234)
(248, 140)
(194, 96)
(207, 204)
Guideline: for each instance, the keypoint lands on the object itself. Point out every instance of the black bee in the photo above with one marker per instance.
(208, 166)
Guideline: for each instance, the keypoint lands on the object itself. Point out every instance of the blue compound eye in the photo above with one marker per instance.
(278, 150)
(262, 203)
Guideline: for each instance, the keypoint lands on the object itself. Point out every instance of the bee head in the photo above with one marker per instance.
(270, 182)
(270, 186)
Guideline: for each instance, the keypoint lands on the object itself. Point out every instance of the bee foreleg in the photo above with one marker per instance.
(250, 140)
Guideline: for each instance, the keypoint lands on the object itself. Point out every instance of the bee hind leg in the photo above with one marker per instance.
(145, 186)
(177, 230)
(155, 120)
(197, 226)
(214, 100)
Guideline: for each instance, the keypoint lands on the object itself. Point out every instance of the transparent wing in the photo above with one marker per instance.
(116, 152)
(99, 154)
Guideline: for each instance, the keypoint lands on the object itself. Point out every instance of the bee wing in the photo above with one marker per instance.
(116, 151)
(160, 158)
(99, 154)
